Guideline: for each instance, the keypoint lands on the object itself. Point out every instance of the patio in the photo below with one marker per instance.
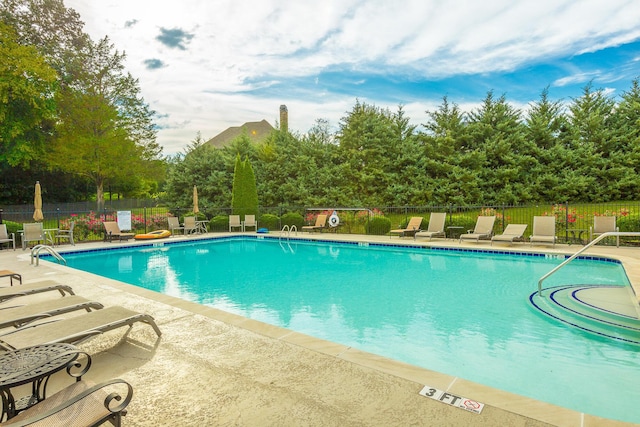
(214, 368)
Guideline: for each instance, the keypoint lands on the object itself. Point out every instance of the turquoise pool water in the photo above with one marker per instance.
(466, 314)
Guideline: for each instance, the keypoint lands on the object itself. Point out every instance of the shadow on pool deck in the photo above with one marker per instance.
(217, 369)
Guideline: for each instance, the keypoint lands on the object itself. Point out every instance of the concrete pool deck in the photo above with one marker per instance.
(212, 368)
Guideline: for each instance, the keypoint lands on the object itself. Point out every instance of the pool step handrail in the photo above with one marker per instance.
(584, 248)
(35, 253)
(288, 229)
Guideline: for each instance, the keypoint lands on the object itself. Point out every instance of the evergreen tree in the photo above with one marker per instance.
(244, 198)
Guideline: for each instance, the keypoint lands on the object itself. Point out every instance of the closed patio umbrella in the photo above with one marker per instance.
(195, 200)
(37, 203)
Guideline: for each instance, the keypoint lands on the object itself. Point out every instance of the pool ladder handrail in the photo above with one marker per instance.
(584, 248)
(35, 253)
(288, 229)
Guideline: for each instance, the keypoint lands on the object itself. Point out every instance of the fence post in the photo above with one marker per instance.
(58, 217)
(1, 216)
(144, 214)
(566, 221)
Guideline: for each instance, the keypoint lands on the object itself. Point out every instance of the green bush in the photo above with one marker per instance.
(219, 223)
(292, 218)
(378, 225)
(269, 221)
(628, 223)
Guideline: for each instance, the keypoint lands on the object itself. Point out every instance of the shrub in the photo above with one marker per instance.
(628, 223)
(378, 225)
(292, 218)
(269, 221)
(219, 223)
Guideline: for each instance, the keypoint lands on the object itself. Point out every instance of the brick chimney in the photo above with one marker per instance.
(284, 119)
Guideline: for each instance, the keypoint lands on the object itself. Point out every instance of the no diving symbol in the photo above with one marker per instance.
(471, 405)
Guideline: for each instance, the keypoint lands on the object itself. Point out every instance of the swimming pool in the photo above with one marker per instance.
(405, 304)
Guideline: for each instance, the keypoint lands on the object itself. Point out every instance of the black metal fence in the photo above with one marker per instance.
(573, 220)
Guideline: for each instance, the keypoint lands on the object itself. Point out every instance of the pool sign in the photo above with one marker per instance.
(452, 399)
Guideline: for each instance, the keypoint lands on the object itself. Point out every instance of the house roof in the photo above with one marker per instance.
(257, 131)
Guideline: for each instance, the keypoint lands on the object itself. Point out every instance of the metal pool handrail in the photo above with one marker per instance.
(574, 256)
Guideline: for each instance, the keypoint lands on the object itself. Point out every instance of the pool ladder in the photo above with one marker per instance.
(35, 253)
(287, 229)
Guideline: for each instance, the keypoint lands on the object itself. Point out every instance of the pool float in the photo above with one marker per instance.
(158, 234)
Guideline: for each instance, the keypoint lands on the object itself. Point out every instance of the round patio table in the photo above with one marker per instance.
(31, 365)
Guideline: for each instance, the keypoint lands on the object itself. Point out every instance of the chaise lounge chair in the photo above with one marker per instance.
(19, 316)
(482, 231)
(34, 288)
(512, 233)
(11, 275)
(436, 226)
(321, 223)
(112, 231)
(83, 403)
(76, 329)
(603, 224)
(412, 227)
(544, 230)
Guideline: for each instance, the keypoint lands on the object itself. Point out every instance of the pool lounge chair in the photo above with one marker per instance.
(82, 403)
(34, 288)
(65, 234)
(234, 222)
(436, 226)
(603, 224)
(321, 223)
(11, 275)
(174, 224)
(76, 329)
(32, 232)
(412, 227)
(190, 225)
(7, 237)
(112, 231)
(24, 314)
(544, 230)
(249, 221)
(512, 233)
(482, 231)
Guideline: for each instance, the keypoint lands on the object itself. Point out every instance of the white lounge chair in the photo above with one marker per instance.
(76, 329)
(65, 234)
(190, 225)
(511, 233)
(482, 231)
(6, 237)
(32, 232)
(174, 224)
(544, 230)
(436, 226)
(234, 222)
(250, 221)
(603, 224)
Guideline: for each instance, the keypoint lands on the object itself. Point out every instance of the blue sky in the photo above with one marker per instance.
(206, 65)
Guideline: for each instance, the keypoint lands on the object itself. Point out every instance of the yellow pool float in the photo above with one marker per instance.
(158, 234)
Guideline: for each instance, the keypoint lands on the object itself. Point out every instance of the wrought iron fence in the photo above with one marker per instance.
(573, 220)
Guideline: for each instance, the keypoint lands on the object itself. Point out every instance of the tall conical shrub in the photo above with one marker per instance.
(244, 196)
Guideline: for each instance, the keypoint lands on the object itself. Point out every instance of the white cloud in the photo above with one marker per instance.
(238, 46)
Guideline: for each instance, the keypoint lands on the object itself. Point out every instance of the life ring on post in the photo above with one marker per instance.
(334, 220)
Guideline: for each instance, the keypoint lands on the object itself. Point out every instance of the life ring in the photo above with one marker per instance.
(334, 220)
(158, 234)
